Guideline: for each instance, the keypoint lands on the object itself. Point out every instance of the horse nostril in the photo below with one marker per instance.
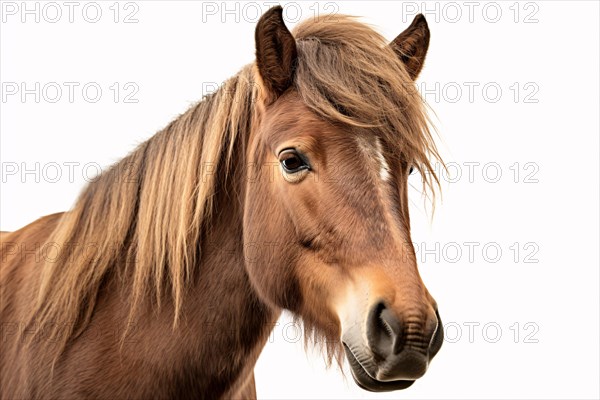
(390, 322)
(383, 331)
(393, 327)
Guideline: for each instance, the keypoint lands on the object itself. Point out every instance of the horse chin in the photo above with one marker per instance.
(366, 382)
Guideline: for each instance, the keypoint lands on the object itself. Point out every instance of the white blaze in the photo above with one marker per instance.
(384, 169)
(375, 152)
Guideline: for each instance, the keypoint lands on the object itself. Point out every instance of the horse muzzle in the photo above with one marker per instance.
(388, 352)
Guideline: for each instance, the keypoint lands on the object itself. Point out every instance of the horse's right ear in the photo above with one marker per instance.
(275, 53)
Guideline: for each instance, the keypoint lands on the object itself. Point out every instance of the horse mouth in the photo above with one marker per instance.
(366, 382)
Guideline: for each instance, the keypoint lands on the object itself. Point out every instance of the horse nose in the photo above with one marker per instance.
(400, 344)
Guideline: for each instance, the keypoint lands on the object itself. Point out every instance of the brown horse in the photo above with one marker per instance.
(285, 189)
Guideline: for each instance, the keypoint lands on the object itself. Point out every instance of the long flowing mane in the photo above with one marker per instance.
(153, 207)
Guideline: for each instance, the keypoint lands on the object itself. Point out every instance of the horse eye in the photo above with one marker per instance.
(411, 170)
(291, 161)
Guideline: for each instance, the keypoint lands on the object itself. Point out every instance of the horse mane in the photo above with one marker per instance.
(149, 209)
(145, 217)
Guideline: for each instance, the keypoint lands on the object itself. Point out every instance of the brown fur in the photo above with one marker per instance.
(153, 293)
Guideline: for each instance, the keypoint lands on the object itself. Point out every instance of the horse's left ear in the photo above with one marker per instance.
(275, 53)
(411, 45)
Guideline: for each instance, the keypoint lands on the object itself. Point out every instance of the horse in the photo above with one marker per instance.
(286, 189)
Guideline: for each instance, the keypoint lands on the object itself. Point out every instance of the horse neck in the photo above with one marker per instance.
(232, 322)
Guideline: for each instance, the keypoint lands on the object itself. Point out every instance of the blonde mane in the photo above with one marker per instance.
(148, 213)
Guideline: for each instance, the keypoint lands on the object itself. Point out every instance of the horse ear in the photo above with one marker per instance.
(275, 52)
(411, 45)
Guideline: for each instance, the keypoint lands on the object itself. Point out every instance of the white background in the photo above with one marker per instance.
(549, 280)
